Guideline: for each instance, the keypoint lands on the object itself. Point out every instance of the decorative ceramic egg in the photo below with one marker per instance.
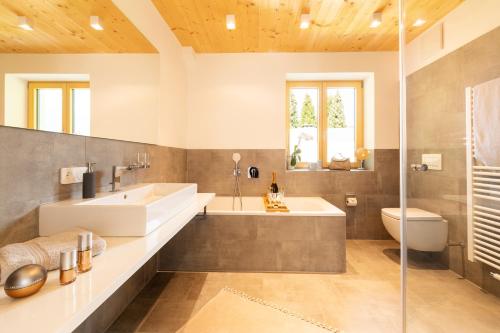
(25, 281)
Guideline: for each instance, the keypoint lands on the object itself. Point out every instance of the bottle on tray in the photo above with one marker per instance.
(274, 186)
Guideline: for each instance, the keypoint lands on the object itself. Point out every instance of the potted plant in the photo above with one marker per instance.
(295, 156)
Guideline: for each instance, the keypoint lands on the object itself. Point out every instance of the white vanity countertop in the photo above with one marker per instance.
(57, 308)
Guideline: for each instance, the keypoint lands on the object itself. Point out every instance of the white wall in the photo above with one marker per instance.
(238, 100)
(172, 116)
(124, 89)
(465, 23)
(16, 102)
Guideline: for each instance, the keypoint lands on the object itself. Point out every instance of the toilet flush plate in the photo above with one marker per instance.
(433, 161)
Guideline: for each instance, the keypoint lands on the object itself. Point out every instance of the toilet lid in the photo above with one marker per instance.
(412, 214)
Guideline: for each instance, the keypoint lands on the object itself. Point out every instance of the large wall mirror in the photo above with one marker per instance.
(100, 79)
(48, 102)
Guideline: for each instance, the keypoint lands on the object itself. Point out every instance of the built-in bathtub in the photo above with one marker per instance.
(309, 238)
(299, 206)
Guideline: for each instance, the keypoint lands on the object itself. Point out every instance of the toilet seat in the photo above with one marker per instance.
(425, 231)
(412, 214)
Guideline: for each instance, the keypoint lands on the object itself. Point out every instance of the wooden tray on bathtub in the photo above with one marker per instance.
(275, 208)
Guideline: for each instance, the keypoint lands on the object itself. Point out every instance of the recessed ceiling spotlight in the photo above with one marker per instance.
(305, 21)
(95, 23)
(24, 23)
(230, 22)
(376, 20)
(419, 22)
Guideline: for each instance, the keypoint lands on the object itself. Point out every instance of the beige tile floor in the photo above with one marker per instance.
(365, 299)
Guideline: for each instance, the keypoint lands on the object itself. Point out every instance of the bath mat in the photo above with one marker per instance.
(233, 311)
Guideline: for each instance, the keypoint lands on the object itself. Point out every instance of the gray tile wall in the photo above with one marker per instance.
(30, 163)
(212, 170)
(29, 172)
(259, 244)
(436, 124)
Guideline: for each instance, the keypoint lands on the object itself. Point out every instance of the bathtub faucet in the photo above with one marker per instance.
(237, 174)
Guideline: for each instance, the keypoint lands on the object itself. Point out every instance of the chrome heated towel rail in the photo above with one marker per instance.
(483, 201)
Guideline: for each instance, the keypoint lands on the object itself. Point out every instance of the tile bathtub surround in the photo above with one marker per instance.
(212, 170)
(29, 172)
(258, 244)
(436, 119)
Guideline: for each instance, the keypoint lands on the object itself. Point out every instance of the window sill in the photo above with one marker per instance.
(328, 170)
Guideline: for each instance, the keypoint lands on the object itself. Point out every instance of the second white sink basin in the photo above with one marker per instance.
(134, 211)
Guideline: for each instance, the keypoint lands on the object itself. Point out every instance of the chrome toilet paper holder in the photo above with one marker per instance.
(351, 200)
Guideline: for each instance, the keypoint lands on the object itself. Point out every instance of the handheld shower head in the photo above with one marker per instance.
(237, 173)
(236, 158)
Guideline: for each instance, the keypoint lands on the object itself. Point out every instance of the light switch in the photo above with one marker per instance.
(433, 161)
(72, 175)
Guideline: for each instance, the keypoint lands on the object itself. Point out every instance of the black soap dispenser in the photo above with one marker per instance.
(89, 182)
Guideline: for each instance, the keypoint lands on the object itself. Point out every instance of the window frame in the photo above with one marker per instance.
(322, 87)
(67, 112)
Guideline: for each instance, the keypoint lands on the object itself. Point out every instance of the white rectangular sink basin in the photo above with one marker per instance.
(134, 211)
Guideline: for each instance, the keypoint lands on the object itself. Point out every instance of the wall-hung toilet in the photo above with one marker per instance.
(426, 231)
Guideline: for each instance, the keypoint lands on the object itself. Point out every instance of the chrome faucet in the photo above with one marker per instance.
(141, 164)
(116, 177)
(117, 171)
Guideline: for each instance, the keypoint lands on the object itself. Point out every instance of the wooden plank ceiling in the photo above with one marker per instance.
(63, 26)
(273, 25)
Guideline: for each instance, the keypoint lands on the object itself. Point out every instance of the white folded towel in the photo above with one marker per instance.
(486, 120)
(44, 251)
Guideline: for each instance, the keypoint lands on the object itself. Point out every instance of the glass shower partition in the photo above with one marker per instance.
(450, 195)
